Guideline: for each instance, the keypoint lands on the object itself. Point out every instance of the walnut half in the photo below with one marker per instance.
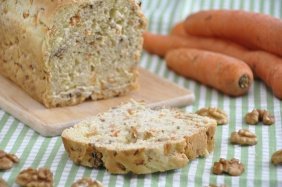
(215, 113)
(87, 182)
(35, 177)
(258, 115)
(266, 117)
(232, 167)
(277, 157)
(243, 137)
(7, 160)
(252, 118)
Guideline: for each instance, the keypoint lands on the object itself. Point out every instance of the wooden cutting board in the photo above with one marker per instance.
(153, 90)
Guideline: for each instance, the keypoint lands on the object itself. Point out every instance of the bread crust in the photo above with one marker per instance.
(139, 161)
(25, 50)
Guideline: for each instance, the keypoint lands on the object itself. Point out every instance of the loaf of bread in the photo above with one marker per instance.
(137, 139)
(62, 52)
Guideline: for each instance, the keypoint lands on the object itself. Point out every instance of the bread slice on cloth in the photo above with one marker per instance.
(135, 138)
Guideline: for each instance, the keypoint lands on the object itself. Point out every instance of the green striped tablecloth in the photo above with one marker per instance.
(37, 151)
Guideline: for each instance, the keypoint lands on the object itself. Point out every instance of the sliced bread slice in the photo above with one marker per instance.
(135, 138)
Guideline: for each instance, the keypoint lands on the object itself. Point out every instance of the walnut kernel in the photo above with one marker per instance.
(130, 111)
(7, 160)
(87, 182)
(268, 119)
(252, 117)
(243, 137)
(277, 157)
(215, 113)
(133, 135)
(258, 115)
(232, 167)
(217, 168)
(74, 20)
(35, 177)
(147, 135)
(25, 14)
(97, 159)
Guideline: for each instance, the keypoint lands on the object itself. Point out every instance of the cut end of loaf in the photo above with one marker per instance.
(134, 138)
(64, 52)
(96, 46)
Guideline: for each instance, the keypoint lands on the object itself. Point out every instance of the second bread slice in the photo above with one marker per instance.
(134, 138)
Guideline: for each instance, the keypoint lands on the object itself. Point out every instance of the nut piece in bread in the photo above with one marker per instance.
(64, 52)
(134, 138)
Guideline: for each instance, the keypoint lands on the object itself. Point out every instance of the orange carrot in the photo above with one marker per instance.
(266, 66)
(253, 30)
(227, 74)
(161, 44)
(179, 30)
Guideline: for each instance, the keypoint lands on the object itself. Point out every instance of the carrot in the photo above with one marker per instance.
(253, 30)
(161, 44)
(228, 75)
(266, 66)
(179, 30)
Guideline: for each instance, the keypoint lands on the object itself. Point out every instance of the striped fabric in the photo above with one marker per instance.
(37, 151)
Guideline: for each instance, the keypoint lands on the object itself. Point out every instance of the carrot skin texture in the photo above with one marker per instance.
(179, 30)
(227, 74)
(161, 44)
(266, 66)
(252, 30)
